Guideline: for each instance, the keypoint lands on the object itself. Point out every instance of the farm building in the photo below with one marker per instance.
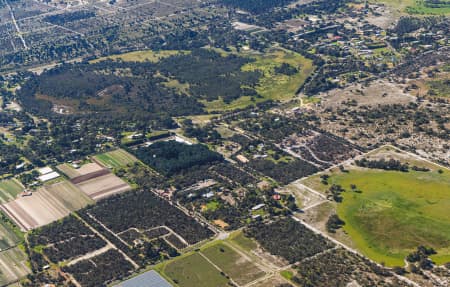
(48, 176)
(45, 170)
(148, 279)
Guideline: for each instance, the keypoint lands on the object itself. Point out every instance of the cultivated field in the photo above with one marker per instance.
(84, 170)
(9, 189)
(115, 159)
(12, 266)
(46, 205)
(8, 238)
(103, 186)
(386, 221)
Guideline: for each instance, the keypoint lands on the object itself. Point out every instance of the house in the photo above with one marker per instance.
(48, 176)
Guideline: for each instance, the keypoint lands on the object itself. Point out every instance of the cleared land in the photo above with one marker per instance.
(395, 211)
(115, 159)
(103, 186)
(194, 271)
(240, 269)
(9, 189)
(46, 205)
(84, 170)
(12, 266)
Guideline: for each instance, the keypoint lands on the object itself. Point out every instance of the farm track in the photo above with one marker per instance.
(217, 267)
(135, 265)
(13, 19)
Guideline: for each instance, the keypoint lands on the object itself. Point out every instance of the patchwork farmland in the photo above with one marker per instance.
(103, 186)
(47, 204)
(9, 189)
(94, 180)
(84, 170)
(115, 159)
(8, 236)
(13, 266)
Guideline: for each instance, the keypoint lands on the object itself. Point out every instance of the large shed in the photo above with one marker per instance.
(147, 279)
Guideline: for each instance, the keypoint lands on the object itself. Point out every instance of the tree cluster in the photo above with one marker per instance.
(288, 239)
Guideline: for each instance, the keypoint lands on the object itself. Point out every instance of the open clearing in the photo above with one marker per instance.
(272, 85)
(414, 7)
(194, 271)
(46, 205)
(12, 266)
(240, 269)
(141, 56)
(386, 221)
(8, 237)
(9, 189)
(115, 159)
(103, 186)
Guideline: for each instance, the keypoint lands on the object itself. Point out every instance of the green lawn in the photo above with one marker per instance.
(396, 212)
(194, 271)
(9, 189)
(116, 159)
(241, 270)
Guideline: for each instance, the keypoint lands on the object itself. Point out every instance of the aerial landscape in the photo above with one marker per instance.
(224, 143)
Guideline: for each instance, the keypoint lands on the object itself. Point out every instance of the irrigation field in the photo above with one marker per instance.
(46, 205)
(13, 266)
(85, 169)
(115, 159)
(9, 189)
(8, 237)
(103, 186)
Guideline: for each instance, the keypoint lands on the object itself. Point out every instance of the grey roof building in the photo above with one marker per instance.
(148, 279)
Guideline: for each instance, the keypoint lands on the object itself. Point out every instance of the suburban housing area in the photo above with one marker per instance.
(217, 143)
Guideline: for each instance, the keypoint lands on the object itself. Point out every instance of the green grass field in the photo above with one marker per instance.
(116, 159)
(9, 189)
(415, 7)
(396, 212)
(240, 269)
(194, 271)
(140, 56)
(243, 242)
(13, 266)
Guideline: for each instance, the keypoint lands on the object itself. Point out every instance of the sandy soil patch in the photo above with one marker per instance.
(379, 92)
